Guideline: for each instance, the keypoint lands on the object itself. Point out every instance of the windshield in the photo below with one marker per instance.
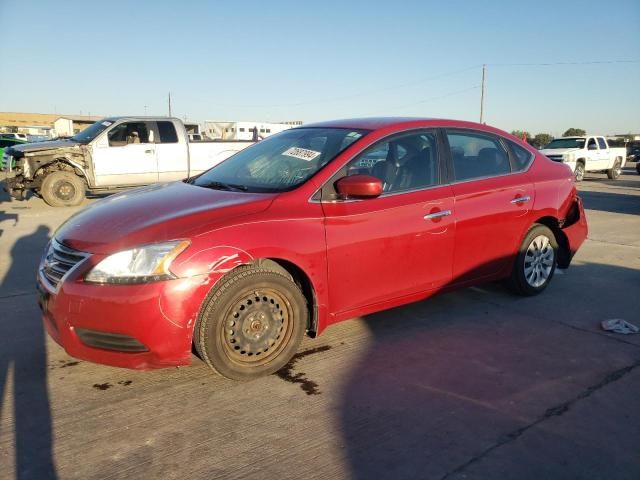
(281, 162)
(92, 131)
(566, 143)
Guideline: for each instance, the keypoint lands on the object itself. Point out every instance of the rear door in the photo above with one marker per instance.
(604, 155)
(493, 197)
(126, 155)
(399, 243)
(171, 151)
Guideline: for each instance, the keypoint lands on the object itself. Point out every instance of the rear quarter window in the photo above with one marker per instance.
(522, 157)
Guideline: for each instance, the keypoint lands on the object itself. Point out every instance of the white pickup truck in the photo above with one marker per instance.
(587, 154)
(115, 152)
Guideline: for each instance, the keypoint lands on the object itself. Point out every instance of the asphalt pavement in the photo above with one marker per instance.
(475, 384)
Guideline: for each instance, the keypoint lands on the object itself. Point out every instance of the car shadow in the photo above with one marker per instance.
(612, 201)
(23, 360)
(445, 379)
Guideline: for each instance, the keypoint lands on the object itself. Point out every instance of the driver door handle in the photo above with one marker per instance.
(148, 151)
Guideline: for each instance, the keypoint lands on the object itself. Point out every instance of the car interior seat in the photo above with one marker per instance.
(491, 161)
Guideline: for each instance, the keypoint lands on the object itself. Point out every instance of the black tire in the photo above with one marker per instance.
(614, 172)
(524, 280)
(63, 189)
(579, 171)
(271, 312)
(638, 167)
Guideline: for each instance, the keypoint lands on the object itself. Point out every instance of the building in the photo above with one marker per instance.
(244, 130)
(44, 124)
(69, 125)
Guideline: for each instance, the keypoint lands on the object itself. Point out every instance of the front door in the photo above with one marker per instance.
(399, 243)
(126, 155)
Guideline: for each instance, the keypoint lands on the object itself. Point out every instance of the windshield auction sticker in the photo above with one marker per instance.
(301, 153)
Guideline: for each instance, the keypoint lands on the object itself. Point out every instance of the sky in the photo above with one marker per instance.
(295, 60)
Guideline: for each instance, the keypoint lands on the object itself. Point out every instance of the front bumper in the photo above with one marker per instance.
(133, 326)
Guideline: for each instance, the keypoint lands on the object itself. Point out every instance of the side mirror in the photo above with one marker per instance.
(359, 186)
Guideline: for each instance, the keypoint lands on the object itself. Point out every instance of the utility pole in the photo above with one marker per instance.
(169, 103)
(484, 69)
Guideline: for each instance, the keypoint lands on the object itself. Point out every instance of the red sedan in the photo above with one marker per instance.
(309, 227)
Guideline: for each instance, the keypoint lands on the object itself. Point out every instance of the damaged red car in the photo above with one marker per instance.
(309, 227)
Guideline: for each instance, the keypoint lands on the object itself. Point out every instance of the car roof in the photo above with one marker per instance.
(379, 123)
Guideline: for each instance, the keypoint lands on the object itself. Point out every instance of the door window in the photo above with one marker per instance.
(403, 162)
(591, 145)
(603, 146)
(130, 133)
(167, 133)
(476, 155)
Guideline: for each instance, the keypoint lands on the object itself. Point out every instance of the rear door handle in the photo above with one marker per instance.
(521, 199)
(441, 213)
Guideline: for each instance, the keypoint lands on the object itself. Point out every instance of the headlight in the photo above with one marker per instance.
(569, 157)
(147, 263)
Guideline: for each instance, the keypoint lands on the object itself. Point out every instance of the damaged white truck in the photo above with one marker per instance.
(113, 153)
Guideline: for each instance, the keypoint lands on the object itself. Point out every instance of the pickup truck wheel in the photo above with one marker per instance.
(62, 189)
(579, 171)
(251, 324)
(536, 261)
(614, 173)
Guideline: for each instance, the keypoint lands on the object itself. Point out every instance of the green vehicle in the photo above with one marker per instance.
(8, 142)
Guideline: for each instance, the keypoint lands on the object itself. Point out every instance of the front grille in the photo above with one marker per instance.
(555, 158)
(58, 261)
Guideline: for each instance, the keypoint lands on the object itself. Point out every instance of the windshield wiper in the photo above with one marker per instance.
(225, 186)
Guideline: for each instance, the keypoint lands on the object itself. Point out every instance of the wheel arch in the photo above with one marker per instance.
(564, 251)
(64, 164)
(300, 277)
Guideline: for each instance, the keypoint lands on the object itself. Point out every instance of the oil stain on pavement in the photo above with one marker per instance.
(287, 374)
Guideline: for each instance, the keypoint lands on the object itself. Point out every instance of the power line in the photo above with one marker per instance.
(432, 99)
(356, 95)
(551, 64)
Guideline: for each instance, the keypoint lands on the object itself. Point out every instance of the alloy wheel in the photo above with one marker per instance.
(538, 261)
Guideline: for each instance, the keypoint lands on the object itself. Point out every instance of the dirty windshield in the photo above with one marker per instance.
(92, 131)
(281, 162)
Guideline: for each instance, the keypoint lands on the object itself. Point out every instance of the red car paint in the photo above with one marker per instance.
(359, 257)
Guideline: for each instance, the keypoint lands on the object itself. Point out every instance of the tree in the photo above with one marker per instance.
(522, 135)
(574, 132)
(541, 139)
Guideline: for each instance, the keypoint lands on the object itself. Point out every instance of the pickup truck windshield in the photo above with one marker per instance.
(281, 162)
(92, 131)
(566, 143)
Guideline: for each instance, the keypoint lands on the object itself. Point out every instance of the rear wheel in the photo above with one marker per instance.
(62, 189)
(251, 324)
(614, 172)
(579, 171)
(536, 261)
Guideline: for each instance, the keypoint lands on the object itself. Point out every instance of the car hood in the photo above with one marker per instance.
(155, 213)
(43, 146)
(557, 151)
